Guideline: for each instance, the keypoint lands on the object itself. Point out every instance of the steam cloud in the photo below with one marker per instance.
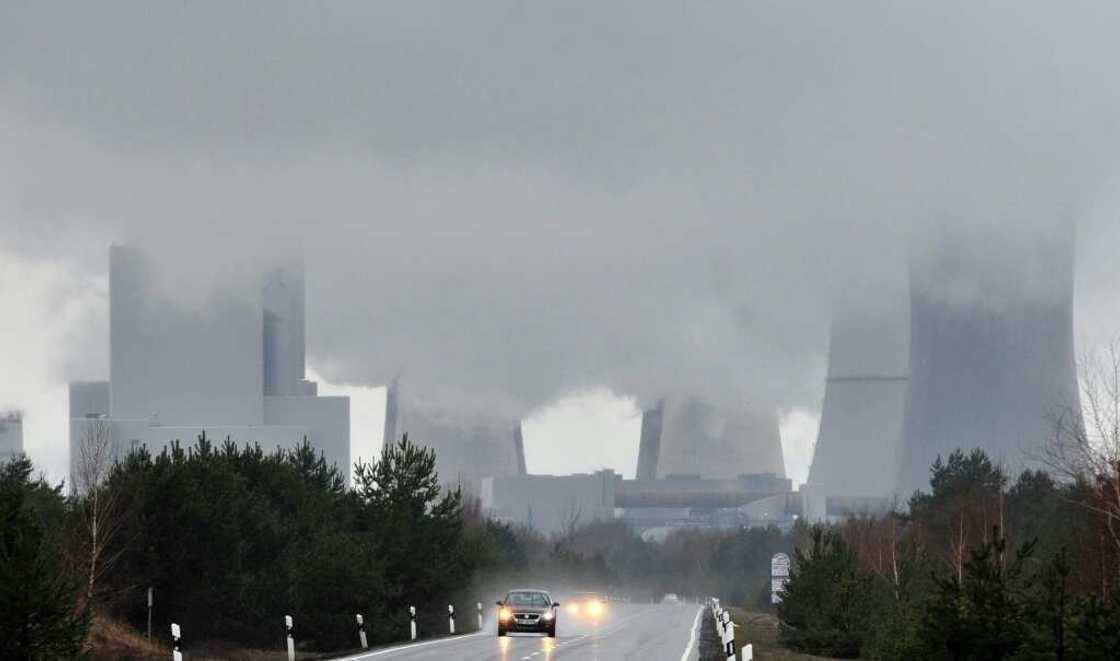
(506, 201)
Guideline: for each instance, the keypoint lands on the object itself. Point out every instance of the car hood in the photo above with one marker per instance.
(529, 609)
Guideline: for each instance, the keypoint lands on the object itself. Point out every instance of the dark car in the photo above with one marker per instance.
(531, 611)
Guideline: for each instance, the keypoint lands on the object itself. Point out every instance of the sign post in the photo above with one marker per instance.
(779, 576)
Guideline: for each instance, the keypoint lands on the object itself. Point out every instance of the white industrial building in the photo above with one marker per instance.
(234, 369)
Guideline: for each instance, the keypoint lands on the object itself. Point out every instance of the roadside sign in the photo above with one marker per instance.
(779, 575)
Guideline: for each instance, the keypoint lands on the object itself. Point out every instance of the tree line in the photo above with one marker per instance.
(232, 538)
(980, 566)
(977, 568)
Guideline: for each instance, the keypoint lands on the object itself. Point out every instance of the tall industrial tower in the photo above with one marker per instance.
(392, 411)
(861, 426)
(991, 350)
(697, 438)
(649, 444)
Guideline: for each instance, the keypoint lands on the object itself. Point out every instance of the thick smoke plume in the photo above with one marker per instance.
(502, 202)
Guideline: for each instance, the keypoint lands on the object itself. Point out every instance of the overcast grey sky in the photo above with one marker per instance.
(508, 201)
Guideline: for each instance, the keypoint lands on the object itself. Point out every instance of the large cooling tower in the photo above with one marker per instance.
(865, 398)
(468, 447)
(991, 352)
(699, 439)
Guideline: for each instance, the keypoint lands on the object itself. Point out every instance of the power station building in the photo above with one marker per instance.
(232, 368)
(695, 487)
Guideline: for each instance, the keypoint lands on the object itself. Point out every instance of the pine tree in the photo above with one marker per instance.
(40, 615)
(981, 615)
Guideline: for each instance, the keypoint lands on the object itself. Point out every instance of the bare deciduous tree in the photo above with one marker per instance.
(1086, 447)
(97, 500)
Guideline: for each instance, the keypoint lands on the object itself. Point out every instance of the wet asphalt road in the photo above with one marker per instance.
(666, 632)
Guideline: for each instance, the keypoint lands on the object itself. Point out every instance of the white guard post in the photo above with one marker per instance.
(748, 652)
(176, 643)
(412, 621)
(451, 618)
(728, 637)
(362, 631)
(480, 616)
(291, 638)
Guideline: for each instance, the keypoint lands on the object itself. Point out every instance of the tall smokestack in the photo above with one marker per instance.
(392, 411)
(519, 448)
(284, 331)
(991, 351)
(649, 445)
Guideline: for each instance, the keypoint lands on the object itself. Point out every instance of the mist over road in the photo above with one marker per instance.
(627, 631)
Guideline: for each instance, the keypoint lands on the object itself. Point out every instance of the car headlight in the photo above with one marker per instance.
(595, 608)
(548, 615)
(504, 614)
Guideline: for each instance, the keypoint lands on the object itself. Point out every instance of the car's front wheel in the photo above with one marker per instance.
(501, 631)
(552, 631)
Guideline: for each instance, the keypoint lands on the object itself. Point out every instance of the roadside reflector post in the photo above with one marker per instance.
(176, 643)
(451, 618)
(291, 638)
(729, 639)
(480, 616)
(748, 652)
(412, 621)
(362, 631)
(149, 613)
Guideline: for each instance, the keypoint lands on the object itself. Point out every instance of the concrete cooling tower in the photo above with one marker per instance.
(699, 439)
(991, 351)
(467, 448)
(864, 408)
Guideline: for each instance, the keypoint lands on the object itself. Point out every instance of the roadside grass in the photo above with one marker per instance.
(761, 630)
(113, 639)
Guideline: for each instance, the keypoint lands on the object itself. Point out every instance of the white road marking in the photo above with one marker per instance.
(405, 648)
(692, 637)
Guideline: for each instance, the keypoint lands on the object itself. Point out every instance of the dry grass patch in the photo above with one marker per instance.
(761, 630)
(113, 640)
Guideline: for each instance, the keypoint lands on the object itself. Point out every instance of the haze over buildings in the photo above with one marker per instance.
(649, 199)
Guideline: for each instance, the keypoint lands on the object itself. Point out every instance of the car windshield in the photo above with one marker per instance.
(538, 599)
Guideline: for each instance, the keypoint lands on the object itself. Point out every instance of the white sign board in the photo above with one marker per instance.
(779, 574)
